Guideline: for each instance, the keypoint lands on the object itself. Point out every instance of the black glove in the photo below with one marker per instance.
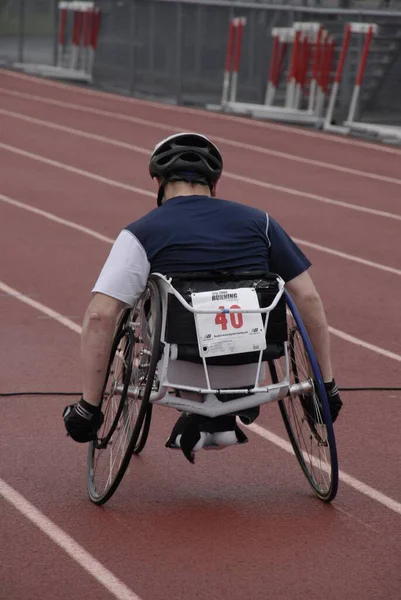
(82, 421)
(334, 399)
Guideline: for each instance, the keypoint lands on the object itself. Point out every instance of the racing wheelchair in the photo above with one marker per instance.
(211, 325)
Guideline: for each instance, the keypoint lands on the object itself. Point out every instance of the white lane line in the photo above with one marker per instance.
(91, 232)
(358, 342)
(362, 261)
(53, 314)
(93, 567)
(227, 174)
(78, 132)
(217, 139)
(55, 163)
(354, 483)
(261, 431)
(112, 97)
(99, 236)
(318, 198)
(55, 218)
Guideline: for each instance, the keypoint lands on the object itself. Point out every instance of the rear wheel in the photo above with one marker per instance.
(125, 402)
(307, 416)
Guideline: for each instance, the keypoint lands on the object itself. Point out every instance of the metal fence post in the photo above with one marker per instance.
(198, 41)
(55, 35)
(132, 46)
(21, 32)
(250, 46)
(152, 40)
(270, 20)
(179, 43)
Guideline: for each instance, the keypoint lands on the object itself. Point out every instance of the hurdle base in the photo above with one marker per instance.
(215, 107)
(373, 131)
(344, 129)
(276, 113)
(56, 72)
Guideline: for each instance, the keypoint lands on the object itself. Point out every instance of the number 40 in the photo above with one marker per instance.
(235, 318)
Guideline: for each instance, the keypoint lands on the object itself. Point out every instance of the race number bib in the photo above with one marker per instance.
(227, 332)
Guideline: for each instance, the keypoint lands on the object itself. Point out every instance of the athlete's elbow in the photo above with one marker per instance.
(310, 298)
(97, 321)
(101, 313)
(307, 295)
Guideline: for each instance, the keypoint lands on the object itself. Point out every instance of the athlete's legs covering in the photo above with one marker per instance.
(194, 432)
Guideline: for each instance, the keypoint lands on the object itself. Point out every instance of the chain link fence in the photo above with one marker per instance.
(174, 50)
(28, 31)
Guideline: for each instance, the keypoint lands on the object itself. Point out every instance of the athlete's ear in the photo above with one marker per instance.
(213, 190)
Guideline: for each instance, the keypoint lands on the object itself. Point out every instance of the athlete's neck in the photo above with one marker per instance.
(182, 188)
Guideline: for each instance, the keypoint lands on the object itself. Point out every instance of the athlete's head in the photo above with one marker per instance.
(188, 157)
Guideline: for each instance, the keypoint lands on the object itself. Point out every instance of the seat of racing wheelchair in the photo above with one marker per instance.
(180, 322)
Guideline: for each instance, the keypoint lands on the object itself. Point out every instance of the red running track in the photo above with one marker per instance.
(242, 522)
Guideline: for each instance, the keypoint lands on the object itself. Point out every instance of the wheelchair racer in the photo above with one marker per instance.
(191, 230)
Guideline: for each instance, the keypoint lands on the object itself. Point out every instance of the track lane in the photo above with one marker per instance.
(306, 178)
(336, 149)
(233, 513)
(46, 567)
(234, 496)
(325, 226)
(230, 143)
(365, 288)
(70, 297)
(109, 240)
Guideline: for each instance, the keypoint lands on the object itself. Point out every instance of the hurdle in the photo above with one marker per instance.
(78, 31)
(303, 37)
(368, 30)
(384, 133)
(282, 37)
(233, 56)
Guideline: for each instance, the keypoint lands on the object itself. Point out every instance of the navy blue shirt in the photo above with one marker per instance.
(199, 233)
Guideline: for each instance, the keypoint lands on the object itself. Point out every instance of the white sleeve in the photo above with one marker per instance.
(126, 270)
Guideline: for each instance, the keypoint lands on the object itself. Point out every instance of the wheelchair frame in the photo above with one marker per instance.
(211, 406)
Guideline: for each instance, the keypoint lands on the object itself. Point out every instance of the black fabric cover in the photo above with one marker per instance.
(180, 326)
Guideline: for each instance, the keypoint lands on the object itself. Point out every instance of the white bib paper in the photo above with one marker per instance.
(227, 332)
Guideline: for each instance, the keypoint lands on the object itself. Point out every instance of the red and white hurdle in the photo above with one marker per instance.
(304, 40)
(311, 62)
(388, 133)
(78, 31)
(368, 30)
(78, 48)
(301, 41)
(233, 56)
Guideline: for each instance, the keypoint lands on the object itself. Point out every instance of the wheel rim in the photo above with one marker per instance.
(305, 417)
(304, 413)
(114, 436)
(126, 396)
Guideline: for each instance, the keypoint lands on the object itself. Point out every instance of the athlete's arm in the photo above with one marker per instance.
(310, 306)
(96, 340)
(121, 281)
(287, 259)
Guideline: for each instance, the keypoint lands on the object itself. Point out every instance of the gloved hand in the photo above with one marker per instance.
(333, 396)
(82, 421)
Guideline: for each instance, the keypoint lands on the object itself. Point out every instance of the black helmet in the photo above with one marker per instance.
(188, 157)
